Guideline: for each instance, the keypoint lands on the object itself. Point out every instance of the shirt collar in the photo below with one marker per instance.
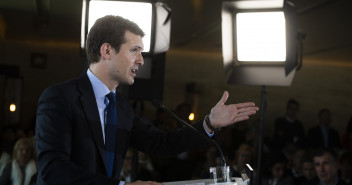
(99, 88)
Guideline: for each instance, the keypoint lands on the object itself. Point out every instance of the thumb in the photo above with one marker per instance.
(224, 98)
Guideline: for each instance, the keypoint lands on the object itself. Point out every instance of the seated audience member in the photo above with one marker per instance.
(326, 167)
(322, 135)
(4, 160)
(142, 171)
(289, 151)
(146, 169)
(245, 154)
(23, 169)
(308, 170)
(126, 172)
(345, 167)
(275, 170)
(288, 129)
(296, 169)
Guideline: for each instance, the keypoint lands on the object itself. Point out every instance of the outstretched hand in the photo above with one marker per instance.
(223, 115)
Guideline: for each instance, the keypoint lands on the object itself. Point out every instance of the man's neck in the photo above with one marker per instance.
(330, 182)
(100, 72)
(289, 119)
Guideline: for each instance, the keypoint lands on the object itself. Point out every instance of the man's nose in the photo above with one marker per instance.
(139, 59)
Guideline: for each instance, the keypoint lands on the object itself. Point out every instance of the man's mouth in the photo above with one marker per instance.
(134, 72)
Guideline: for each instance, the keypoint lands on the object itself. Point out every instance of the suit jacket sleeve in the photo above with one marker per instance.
(149, 139)
(54, 140)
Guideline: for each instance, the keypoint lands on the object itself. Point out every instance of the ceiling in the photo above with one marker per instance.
(196, 24)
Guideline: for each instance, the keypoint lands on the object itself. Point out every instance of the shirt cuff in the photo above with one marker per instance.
(122, 183)
(211, 134)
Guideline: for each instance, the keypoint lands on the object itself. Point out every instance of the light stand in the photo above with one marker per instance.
(261, 133)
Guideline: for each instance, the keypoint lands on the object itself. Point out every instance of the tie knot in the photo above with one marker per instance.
(111, 96)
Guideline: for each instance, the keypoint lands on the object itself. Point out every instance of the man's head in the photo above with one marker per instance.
(114, 50)
(292, 108)
(308, 167)
(325, 117)
(276, 164)
(325, 161)
(244, 155)
(109, 29)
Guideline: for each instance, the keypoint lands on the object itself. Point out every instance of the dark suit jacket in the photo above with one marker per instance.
(285, 132)
(69, 140)
(316, 140)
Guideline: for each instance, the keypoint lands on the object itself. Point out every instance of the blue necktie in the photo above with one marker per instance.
(110, 132)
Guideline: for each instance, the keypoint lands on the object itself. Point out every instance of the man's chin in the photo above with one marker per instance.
(131, 82)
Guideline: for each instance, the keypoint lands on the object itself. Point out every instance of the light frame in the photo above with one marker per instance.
(258, 72)
(158, 30)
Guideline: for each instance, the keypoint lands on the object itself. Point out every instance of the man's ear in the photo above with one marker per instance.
(105, 51)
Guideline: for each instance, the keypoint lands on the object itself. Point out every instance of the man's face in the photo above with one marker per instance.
(325, 118)
(278, 170)
(308, 170)
(325, 168)
(124, 64)
(23, 154)
(292, 110)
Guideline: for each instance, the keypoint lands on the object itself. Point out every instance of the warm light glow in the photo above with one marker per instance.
(261, 36)
(83, 24)
(191, 117)
(12, 107)
(141, 15)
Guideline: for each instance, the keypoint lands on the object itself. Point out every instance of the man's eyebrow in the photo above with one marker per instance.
(139, 47)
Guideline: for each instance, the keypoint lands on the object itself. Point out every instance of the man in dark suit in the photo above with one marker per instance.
(288, 129)
(322, 135)
(72, 126)
(326, 167)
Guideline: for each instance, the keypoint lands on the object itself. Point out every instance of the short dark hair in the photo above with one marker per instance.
(321, 151)
(324, 110)
(292, 101)
(109, 29)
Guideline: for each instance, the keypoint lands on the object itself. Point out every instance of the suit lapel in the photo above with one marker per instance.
(90, 109)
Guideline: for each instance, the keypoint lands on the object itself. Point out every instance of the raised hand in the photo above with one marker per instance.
(223, 115)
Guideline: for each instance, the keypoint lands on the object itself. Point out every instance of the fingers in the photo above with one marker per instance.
(224, 98)
(244, 105)
(240, 118)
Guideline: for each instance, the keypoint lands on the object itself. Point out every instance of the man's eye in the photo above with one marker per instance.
(134, 50)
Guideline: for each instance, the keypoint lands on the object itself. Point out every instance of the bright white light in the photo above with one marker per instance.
(83, 23)
(141, 15)
(12, 107)
(191, 116)
(261, 37)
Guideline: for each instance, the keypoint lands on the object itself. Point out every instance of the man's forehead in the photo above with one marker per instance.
(326, 157)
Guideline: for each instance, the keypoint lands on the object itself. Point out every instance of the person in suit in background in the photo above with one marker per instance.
(77, 120)
(323, 135)
(326, 167)
(288, 129)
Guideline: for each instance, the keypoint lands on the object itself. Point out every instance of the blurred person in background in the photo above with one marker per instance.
(275, 168)
(323, 135)
(308, 170)
(23, 169)
(345, 167)
(326, 167)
